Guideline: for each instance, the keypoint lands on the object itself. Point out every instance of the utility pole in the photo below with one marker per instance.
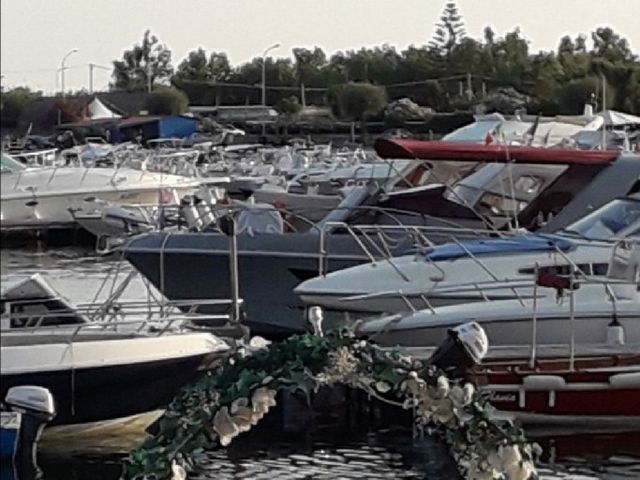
(91, 66)
(63, 68)
(264, 71)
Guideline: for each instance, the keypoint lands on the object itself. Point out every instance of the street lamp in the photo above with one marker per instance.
(62, 67)
(264, 83)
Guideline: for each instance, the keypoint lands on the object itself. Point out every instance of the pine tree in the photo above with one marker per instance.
(449, 30)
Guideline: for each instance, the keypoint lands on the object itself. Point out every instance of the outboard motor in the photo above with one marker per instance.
(465, 346)
(31, 408)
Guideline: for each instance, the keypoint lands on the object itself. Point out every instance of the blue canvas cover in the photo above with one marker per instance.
(524, 243)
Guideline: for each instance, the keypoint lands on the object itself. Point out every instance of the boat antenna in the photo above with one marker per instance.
(516, 224)
(604, 108)
(534, 128)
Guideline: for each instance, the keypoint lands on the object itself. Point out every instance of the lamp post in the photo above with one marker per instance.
(264, 83)
(62, 67)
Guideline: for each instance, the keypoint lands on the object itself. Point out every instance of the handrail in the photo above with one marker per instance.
(422, 231)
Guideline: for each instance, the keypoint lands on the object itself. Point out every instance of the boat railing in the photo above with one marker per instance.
(118, 315)
(380, 248)
(39, 158)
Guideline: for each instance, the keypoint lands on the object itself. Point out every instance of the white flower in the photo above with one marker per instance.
(416, 386)
(520, 471)
(383, 387)
(443, 411)
(224, 426)
(258, 343)
(178, 472)
(441, 388)
(461, 396)
(504, 457)
(243, 418)
(239, 402)
(475, 471)
(263, 399)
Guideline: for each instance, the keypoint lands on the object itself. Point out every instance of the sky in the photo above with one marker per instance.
(36, 34)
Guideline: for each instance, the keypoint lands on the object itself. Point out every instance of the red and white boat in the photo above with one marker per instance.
(600, 387)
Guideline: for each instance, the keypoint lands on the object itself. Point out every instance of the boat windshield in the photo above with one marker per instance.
(9, 164)
(617, 219)
(500, 189)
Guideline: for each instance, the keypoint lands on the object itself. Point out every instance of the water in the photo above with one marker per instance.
(78, 274)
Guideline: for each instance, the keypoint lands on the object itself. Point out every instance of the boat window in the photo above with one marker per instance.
(528, 184)
(525, 188)
(619, 218)
(502, 205)
(43, 314)
(9, 164)
(502, 189)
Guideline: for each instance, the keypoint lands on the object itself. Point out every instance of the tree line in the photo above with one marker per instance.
(450, 72)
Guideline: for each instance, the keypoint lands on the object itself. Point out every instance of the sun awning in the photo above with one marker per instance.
(428, 150)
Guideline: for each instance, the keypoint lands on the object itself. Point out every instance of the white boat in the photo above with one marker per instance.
(509, 322)
(41, 198)
(97, 371)
(486, 269)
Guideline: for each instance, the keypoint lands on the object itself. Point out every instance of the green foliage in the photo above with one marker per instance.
(239, 393)
(356, 101)
(143, 66)
(549, 79)
(289, 106)
(449, 30)
(13, 103)
(197, 66)
(167, 101)
(308, 62)
(575, 93)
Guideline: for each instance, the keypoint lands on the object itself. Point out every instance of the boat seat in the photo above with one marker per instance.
(625, 380)
(537, 383)
(260, 218)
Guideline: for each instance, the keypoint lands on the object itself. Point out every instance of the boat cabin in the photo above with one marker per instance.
(32, 302)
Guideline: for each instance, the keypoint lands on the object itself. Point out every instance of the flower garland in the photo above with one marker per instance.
(235, 397)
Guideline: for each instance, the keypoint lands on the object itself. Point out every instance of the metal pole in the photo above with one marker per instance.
(233, 272)
(91, 65)
(264, 71)
(62, 68)
(572, 350)
(604, 107)
(534, 318)
(264, 83)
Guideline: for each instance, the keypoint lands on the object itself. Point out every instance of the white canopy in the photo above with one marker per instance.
(618, 119)
(98, 110)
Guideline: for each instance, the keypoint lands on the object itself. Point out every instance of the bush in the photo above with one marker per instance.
(167, 101)
(357, 101)
(13, 103)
